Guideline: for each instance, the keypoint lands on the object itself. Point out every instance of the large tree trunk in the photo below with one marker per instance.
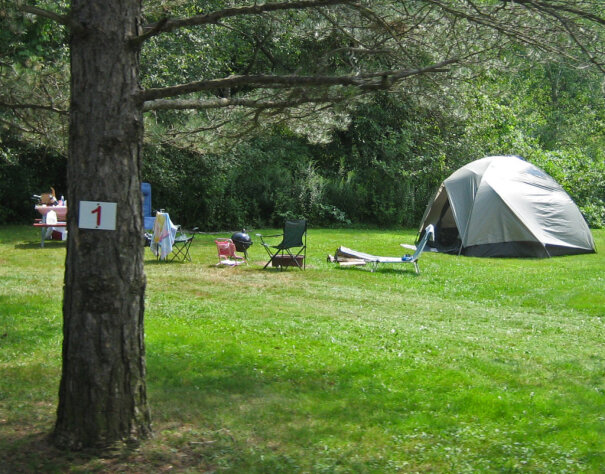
(102, 395)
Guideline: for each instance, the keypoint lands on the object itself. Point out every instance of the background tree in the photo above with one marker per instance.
(347, 50)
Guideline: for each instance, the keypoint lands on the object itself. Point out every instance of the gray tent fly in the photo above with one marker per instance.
(503, 206)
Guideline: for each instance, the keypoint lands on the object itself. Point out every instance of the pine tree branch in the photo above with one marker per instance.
(565, 7)
(62, 19)
(554, 10)
(165, 25)
(490, 21)
(201, 104)
(28, 106)
(65, 20)
(372, 81)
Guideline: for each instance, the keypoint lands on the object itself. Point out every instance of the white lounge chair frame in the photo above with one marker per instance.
(348, 257)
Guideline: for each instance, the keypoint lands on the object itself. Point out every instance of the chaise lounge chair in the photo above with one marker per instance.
(347, 257)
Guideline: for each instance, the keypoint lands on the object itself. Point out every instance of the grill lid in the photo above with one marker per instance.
(241, 240)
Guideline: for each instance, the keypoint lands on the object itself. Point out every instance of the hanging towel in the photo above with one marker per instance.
(164, 233)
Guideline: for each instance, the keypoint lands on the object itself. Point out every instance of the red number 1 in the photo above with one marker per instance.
(97, 211)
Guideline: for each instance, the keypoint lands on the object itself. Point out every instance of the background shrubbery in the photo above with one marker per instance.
(26, 170)
(379, 170)
(375, 161)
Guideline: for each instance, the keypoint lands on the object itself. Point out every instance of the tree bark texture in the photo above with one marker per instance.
(102, 394)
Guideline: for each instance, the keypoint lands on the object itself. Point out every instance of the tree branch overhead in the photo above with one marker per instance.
(65, 20)
(369, 81)
(166, 25)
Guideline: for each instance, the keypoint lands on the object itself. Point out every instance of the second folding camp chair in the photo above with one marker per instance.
(292, 250)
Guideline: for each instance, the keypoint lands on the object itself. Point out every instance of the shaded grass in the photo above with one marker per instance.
(475, 365)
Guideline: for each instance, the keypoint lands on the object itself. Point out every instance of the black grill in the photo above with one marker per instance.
(242, 241)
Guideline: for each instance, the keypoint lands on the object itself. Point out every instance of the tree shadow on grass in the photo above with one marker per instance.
(49, 244)
(35, 453)
(269, 389)
(26, 452)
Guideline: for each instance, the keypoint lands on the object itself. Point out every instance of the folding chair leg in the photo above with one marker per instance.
(295, 259)
(270, 258)
(181, 250)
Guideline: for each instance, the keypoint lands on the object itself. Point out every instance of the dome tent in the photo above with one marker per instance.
(503, 206)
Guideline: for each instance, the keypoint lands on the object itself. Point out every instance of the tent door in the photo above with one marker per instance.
(447, 237)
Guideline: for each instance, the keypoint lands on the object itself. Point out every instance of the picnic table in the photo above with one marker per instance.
(61, 215)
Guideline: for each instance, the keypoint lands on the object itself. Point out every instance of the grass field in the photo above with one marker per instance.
(476, 365)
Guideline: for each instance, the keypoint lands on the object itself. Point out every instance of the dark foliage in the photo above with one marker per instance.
(26, 170)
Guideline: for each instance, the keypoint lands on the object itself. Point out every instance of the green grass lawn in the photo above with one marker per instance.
(475, 365)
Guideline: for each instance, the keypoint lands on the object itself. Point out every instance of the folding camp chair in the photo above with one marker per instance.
(294, 237)
(180, 247)
(168, 242)
(226, 253)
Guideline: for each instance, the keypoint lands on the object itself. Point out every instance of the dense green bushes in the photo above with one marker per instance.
(274, 177)
(356, 179)
(26, 170)
(582, 177)
(379, 170)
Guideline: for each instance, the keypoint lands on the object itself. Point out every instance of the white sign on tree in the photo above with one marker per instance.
(97, 215)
